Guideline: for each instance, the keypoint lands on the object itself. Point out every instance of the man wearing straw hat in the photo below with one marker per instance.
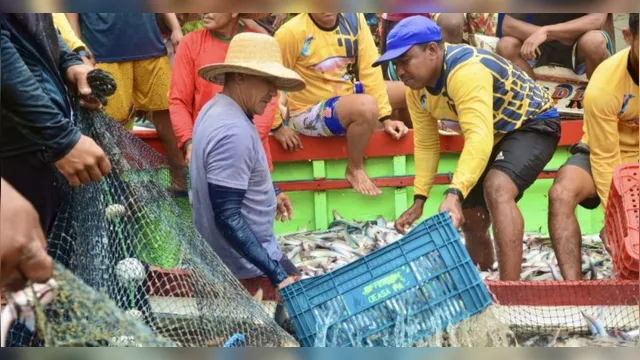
(234, 202)
(189, 93)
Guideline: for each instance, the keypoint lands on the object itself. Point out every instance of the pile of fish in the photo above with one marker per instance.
(318, 252)
(539, 261)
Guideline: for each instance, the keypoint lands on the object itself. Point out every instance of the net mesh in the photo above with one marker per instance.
(131, 241)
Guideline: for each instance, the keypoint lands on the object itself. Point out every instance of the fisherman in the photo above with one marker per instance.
(23, 254)
(234, 202)
(510, 127)
(39, 138)
(579, 42)
(38, 135)
(345, 95)
(130, 47)
(610, 139)
(189, 93)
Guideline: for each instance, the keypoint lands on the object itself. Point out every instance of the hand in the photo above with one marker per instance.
(288, 281)
(77, 77)
(23, 254)
(285, 209)
(187, 153)
(451, 204)
(176, 38)
(396, 129)
(84, 163)
(279, 20)
(530, 46)
(288, 138)
(409, 217)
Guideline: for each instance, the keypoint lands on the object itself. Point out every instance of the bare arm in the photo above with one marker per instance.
(570, 31)
(253, 25)
(74, 21)
(172, 21)
(518, 29)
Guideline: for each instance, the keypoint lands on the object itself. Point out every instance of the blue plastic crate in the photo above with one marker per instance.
(395, 296)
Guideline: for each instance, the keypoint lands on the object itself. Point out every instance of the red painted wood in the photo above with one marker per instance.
(565, 293)
(380, 145)
(178, 283)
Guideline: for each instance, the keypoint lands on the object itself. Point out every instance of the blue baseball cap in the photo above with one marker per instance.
(413, 30)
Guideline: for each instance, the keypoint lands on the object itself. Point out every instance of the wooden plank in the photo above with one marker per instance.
(397, 182)
(566, 293)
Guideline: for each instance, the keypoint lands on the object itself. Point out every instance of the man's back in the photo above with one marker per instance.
(227, 151)
(515, 96)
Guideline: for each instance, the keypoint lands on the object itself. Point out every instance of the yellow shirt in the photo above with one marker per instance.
(483, 95)
(66, 31)
(323, 58)
(611, 120)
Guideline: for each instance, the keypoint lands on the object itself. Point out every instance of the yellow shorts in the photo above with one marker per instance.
(143, 83)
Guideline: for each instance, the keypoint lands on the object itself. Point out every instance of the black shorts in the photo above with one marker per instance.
(582, 161)
(522, 155)
(555, 53)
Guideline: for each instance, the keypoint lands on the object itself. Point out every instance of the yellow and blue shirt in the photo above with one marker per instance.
(611, 119)
(327, 59)
(482, 95)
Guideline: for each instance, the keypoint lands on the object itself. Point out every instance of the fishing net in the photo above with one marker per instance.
(69, 320)
(132, 241)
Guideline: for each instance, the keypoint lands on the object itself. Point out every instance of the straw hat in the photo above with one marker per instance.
(254, 16)
(254, 54)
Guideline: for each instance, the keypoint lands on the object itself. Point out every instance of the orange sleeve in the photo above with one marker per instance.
(263, 125)
(182, 91)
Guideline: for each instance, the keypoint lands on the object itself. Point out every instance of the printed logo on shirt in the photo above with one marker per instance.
(625, 104)
(423, 101)
(500, 156)
(305, 47)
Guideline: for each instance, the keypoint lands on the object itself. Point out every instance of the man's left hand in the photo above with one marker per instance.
(396, 129)
(451, 204)
(285, 209)
(77, 77)
(176, 38)
(530, 45)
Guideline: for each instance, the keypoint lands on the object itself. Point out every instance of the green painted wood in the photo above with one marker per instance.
(312, 210)
(400, 196)
(320, 197)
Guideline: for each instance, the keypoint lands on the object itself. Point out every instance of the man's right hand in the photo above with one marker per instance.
(288, 281)
(22, 243)
(86, 162)
(409, 217)
(288, 138)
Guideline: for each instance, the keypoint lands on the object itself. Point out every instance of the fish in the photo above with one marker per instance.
(21, 307)
(595, 325)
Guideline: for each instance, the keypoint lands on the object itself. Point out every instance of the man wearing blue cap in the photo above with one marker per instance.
(510, 127)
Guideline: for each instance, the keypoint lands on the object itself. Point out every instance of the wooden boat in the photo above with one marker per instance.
(314, 176)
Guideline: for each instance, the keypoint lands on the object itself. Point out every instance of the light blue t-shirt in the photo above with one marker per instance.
(227, 151)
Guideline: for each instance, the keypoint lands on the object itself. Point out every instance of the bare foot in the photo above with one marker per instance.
(361, 182)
